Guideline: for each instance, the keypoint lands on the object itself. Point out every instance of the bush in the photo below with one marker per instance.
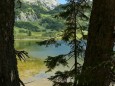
(22, 31)
(26, 25)
(51, 23)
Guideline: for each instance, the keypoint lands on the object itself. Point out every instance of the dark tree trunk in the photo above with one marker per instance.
(96, 68)
(8, 63)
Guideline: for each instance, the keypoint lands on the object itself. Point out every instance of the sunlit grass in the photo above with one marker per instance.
(30, 67)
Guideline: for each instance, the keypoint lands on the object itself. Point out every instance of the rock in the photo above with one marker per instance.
(31, 9)
(51, 4)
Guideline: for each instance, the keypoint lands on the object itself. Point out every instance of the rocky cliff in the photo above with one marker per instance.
(31, 9)
(51, 4)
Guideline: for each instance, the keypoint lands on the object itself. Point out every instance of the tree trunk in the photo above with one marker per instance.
(8, 63)
(96, 67)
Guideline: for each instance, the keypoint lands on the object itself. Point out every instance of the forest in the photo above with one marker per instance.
(57, 43)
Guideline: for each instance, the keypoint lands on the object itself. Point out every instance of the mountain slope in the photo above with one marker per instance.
(50, 4)
(37, 16)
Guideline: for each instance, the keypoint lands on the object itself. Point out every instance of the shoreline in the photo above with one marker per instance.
(30, 39)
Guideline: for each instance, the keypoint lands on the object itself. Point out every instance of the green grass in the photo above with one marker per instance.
(34, 35)
(30, 67)
(41, 35)
(45, 15)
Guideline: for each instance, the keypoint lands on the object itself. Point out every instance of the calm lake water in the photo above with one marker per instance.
(41, 52)
(36, 51)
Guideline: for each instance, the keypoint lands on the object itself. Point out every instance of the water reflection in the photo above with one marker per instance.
(37, 51)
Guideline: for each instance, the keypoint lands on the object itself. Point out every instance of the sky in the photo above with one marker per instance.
(62, 1)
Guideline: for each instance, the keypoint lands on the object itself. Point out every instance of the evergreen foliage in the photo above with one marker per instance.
(72, 12)
(27, 25)
(51, 23)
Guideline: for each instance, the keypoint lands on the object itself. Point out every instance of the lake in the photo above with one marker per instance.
(40, 52)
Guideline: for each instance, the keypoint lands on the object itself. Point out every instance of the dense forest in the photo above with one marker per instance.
(85, 26)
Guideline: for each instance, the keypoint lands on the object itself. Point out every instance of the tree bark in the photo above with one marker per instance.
(8, 63)
(96, 67)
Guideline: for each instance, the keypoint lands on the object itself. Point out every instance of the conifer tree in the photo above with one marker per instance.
(8, 63)
(73, 11)
(99, 64)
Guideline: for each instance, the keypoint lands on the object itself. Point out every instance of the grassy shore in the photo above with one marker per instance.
(30, 67)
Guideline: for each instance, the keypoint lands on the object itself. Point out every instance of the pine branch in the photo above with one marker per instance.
(51, 41)
(20, 4)
(22, 55)
(52, 62)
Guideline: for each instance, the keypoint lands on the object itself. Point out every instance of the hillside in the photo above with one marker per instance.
(35, 19)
